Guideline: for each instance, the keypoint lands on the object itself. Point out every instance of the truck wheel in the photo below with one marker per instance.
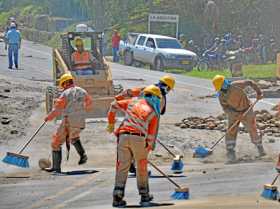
(159, 66)
(202, 66)
(128, 58)
(188, 68)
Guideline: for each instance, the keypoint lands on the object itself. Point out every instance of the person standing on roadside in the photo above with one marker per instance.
(116, 38)
(13, 43)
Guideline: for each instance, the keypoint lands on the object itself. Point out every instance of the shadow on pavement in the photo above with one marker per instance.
(79, 172)
(153, 205)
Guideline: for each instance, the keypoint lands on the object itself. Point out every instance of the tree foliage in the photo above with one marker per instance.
(240, 16)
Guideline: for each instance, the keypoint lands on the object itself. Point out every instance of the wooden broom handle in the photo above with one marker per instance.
(32, 137)
(165, 147)
(160, 171)
(275, 179)
(235, 123)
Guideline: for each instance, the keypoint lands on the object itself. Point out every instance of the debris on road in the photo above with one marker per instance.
(18, 100)
(267, 123)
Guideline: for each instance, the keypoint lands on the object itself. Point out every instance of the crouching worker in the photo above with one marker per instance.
(136, 138)
(235, 102)
(72, 105)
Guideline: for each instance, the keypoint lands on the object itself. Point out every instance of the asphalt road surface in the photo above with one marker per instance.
(212, 185)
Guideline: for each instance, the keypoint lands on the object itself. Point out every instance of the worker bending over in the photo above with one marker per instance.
(136, 138)
(165, 84)
(72, 105)
(82, 60)
(235, 102)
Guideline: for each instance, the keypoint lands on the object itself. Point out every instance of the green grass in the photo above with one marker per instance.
(249, 71)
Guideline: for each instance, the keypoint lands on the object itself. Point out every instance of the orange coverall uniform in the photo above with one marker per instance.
(82, 60)
(72, 104)
(136, 137)
(235, 102)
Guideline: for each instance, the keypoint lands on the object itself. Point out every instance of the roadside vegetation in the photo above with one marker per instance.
(249, 71)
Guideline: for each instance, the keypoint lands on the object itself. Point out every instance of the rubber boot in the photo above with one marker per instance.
(231, 156)
(146, 200)
(118, 195)
(261, 150)
(81, 152)
(278, 165)
(56, 164)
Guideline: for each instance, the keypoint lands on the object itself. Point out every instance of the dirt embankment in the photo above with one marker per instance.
(18, 99)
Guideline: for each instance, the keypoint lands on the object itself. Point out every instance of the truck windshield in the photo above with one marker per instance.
(168, 43)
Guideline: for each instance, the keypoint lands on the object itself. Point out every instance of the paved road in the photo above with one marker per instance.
(94, 190)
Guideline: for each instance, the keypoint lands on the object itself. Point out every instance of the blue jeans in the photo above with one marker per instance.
(115, 52)
(13, 55)
(86, 71)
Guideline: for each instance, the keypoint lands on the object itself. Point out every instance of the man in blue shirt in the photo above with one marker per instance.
(13, 40)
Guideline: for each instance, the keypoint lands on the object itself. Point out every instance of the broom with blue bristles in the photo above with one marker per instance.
(202, 152)
(16, 158)
(177, 164)
(270, 190)
(180, 193)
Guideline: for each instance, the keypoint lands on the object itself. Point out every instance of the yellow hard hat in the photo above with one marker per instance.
(65, 77)
(79, 42)
(218, 82)
(152, 89)
(168, 80)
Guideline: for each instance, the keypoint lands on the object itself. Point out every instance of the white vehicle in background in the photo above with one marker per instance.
(158, 51)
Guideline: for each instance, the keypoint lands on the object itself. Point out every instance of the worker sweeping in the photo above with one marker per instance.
(165, 84)
(72, 105)
(136, 138)
(235, 102)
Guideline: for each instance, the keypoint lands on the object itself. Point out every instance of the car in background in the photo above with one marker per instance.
(160, 52)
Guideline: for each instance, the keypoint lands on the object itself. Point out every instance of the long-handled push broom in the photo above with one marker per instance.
(177, 164)
(16, 158)
(270, 190)
(180, 193)
(202, 152)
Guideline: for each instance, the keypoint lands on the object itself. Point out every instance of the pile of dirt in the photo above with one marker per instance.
(267, 123)
(18, 100)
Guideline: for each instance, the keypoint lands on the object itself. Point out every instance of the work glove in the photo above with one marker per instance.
(150, 146)
(110, 128)
(47, 118)
(259, 96)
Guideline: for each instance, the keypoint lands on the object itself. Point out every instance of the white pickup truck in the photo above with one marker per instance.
(158, 51)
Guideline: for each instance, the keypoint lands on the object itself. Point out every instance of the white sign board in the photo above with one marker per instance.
(164, 18)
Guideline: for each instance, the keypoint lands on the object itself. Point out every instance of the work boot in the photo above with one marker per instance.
(118, 202)
(118, 195)
(83, 157)
(261, 150)
(146, 200)
(231, 156)
(56, 164)
(278, 165)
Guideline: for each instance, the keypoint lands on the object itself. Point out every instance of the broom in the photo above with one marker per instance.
(180, 193)
(270, 190)
(177, 164)
(202, 152)
(16, 158)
